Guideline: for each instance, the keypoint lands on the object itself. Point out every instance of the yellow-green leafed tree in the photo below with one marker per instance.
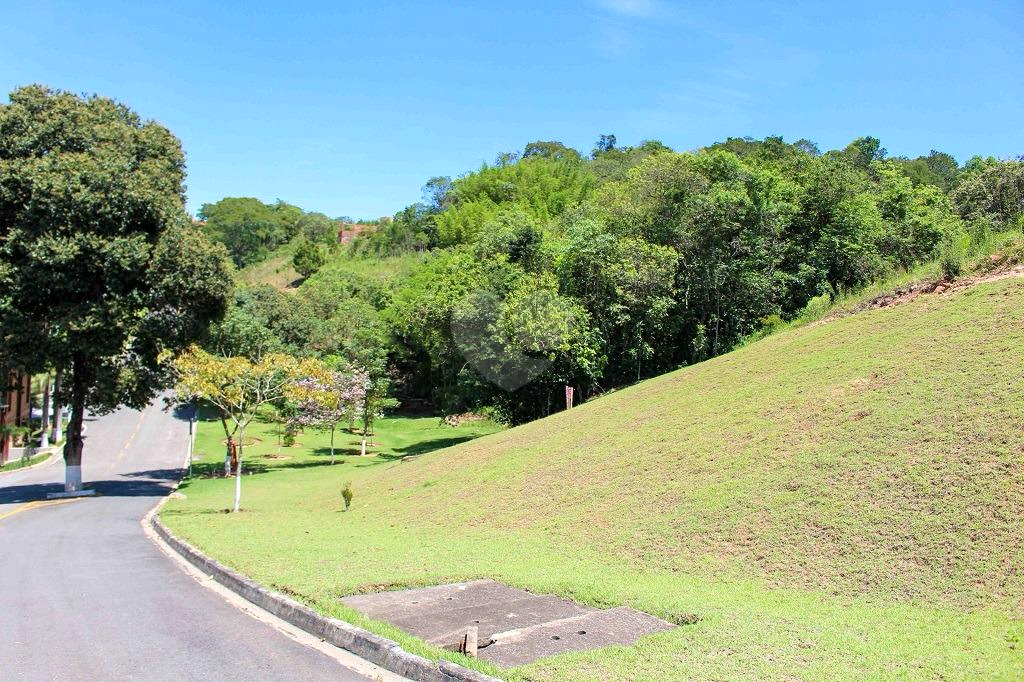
(238, 386)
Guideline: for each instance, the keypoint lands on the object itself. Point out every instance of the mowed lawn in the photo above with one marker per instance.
(838, 502)
(393, 439)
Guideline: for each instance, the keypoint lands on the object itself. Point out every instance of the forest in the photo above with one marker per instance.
(551, 268)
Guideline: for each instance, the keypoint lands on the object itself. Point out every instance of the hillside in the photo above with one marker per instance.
(839, 501)
(654, 259)
(277, 270)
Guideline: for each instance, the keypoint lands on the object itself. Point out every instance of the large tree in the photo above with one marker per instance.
(249, 228)
(101, 273)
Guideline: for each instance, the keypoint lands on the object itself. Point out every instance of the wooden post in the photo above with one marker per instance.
(468, 645)
(569, 391)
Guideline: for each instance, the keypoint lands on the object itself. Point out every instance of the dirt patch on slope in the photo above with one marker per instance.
(909, 292)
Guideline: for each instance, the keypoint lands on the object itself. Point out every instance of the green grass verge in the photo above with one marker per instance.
(394, 439)
(23, 462)
(836, 502)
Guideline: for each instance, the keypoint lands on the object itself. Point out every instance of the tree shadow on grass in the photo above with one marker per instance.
(307, 464)
(378, 458)
(215, 469)
(256, 466)
(431, 445)
(338, 452)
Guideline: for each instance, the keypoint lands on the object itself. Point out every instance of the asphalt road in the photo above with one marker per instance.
(85, 595)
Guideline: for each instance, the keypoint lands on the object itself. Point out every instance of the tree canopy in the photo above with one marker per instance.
(596, 271)
(101, 272)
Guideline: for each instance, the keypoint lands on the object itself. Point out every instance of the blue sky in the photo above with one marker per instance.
(349, 107)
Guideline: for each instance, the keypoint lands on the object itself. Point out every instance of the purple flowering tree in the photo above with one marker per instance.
(326, 401)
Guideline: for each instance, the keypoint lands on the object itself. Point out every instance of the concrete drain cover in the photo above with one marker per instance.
(513, 627)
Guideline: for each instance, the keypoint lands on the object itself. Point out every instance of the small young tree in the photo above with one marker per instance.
(375, 401)
(237, 387)
(330, 400)
(309, 258)
(347, 494)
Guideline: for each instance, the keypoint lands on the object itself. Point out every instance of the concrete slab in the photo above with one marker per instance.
(621, 625)
(416, 600)
(441, 614)
(87, 492)
(514, 627)
(496, 617)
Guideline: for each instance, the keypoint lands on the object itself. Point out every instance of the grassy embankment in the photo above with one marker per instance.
(838, 501)
(22, 462)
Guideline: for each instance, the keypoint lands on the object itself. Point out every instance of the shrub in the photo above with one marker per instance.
(952, 254)
(816, 308)
(346, 494)
(309, 258)
(289, 436)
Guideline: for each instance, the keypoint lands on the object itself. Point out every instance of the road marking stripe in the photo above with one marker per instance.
(37, 504)
(128, 443)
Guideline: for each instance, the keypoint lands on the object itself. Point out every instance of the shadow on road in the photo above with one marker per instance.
(154, 483)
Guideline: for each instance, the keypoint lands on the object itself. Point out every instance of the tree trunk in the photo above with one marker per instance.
(238, 471)
(75, 443)
(5, 439)
(363, 453)
(58, 409)
(332, 443)
(44, 436)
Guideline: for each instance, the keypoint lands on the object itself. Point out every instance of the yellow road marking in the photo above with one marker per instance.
(128, 443)
(37, 504)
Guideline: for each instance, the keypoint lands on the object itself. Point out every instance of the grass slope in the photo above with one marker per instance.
(840, 501)
(277, 271)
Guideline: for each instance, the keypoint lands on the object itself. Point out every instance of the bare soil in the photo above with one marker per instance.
(911, 291)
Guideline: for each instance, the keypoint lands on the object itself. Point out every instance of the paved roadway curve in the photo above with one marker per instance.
(85, 595)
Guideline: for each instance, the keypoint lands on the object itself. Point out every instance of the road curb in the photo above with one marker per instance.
(54, 450)
(363, 643)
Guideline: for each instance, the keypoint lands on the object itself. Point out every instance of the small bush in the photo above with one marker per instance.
(816, 308)
(951, 265)
(1013, 252)
(288, 440)
(952, 255)
(309, 258)
(19, 434)
(346, 494)
(766, 327)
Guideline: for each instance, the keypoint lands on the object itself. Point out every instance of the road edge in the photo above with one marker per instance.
(376, 649)
(54, 450)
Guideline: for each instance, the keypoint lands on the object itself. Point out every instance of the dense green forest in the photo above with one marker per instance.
(596, 271)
